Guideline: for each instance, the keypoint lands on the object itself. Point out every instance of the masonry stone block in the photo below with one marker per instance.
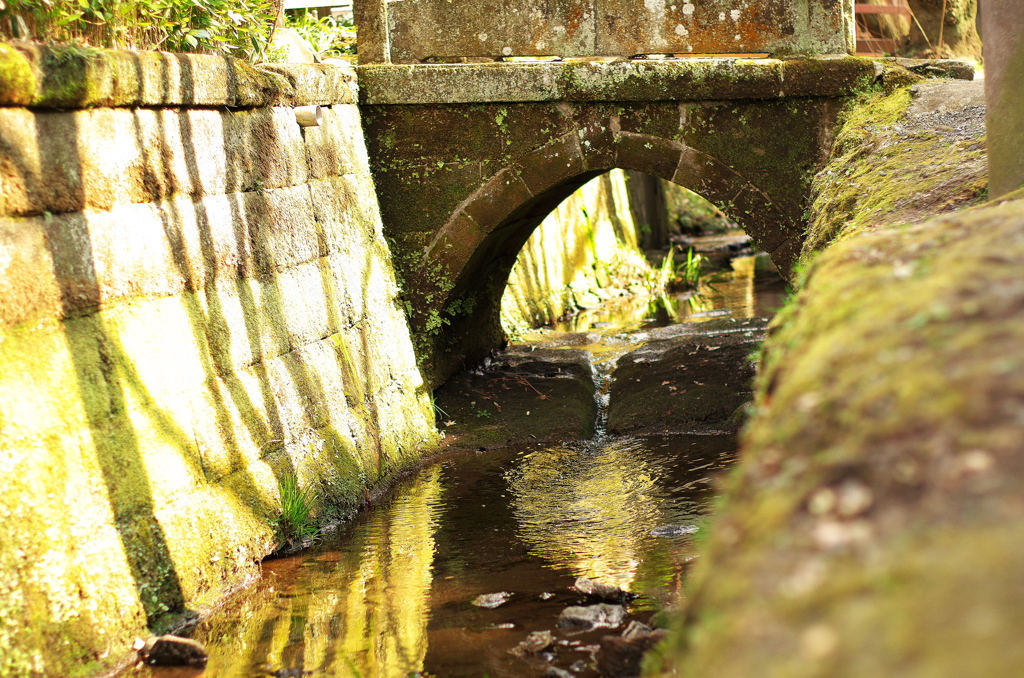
(335, 147)
(306, 315)
(282, 228)
(493, 202)
(552, 164)
(28, 287)
(651, 155)
(421, 196)
(323, 84)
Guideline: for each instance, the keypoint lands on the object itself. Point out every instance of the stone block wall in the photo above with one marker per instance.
(197, 305)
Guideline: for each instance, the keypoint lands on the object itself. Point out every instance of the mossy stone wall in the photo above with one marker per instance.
(196, 303)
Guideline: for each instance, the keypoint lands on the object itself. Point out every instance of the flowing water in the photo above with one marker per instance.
(392, 593)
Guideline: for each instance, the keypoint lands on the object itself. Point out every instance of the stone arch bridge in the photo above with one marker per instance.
(469, 158)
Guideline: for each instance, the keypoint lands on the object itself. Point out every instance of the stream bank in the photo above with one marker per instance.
(873, 525)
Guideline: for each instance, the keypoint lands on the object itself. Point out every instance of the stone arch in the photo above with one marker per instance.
(458, 282)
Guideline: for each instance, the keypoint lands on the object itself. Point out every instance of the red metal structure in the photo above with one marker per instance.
(868, 43)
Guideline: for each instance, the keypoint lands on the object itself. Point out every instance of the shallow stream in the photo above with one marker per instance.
(395, 591)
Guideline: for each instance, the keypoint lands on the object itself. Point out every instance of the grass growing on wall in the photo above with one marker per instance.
(228, 27)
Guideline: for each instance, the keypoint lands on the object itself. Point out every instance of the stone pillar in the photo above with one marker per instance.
(1003, 30)
(373, 41)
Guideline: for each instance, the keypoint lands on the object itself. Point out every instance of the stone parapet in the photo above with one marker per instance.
(688, 79)
(76, 77)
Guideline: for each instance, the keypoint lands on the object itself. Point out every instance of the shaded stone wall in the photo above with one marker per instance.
(196, 305)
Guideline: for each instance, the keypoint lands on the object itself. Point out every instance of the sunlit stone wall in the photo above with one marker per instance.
(583, 253)
(196, 305)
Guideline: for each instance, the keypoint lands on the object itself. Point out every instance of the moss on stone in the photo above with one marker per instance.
(886, 171)
(881, 471)
(17, 82)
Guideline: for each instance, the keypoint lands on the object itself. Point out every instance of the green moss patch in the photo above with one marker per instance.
(887, 169)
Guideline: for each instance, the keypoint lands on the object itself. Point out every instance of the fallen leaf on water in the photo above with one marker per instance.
(449, 423)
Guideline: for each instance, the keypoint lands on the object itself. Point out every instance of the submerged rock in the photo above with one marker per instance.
(674, 530)
(622, 655)
(602, 591)
(535, 643)
(690, 377)
(171, 651)
(492, 600)
(522, 396)
(601, 615)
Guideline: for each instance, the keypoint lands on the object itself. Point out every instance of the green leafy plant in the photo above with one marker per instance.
(330, 37)
(228, 27)
(689, 273)
(296, 519)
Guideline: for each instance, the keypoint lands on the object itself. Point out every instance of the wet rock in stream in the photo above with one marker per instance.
(535, 643)
(601, 615)
(622, 656)
(523, 396)
(492, 600)
(171, 650)
(689, 377)
(601, 591)
(673, 530)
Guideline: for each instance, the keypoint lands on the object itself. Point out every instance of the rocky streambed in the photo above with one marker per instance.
(554, 535)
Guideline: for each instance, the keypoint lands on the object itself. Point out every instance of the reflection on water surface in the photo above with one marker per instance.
(391, 594)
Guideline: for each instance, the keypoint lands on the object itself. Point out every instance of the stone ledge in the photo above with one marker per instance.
(686, 79)
(46, 77)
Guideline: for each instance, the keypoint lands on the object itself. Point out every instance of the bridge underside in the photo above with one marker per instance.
(469, 159)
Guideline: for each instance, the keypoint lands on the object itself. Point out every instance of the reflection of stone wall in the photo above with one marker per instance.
(585, 251)
(360, 612)
(185, 320)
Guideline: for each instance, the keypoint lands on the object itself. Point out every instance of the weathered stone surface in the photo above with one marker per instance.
(693, 79)
(68, 78)
(688, 383)
(419, 29)
(543, 396)
(186, 319)
(326, 84)
(880, 475)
